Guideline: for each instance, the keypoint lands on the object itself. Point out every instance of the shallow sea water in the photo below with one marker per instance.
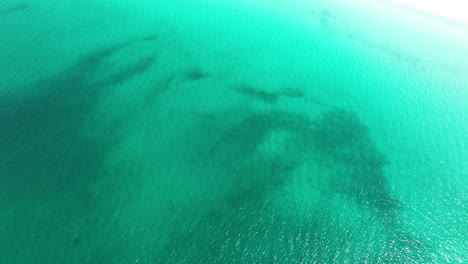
(231, 132)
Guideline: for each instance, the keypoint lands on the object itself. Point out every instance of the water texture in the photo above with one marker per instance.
(231, 132)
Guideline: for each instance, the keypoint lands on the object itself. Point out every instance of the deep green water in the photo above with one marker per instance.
(231, 132)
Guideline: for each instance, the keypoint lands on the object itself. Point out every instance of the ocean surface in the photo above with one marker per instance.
(231, 131)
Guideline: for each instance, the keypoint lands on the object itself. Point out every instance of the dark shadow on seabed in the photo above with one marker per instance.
(266, 96)
(45, 150)
(195, 74)
(244, 226)
(14, 9)
(44, 130)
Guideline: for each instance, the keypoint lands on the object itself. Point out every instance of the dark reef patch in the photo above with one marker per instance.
(151, 37)
(14, 9)
(343, 144)
(130, 71)
(268, 97)
(195, 74)
(236, 151)
(244, 225)
(45, 150)
(336, 140)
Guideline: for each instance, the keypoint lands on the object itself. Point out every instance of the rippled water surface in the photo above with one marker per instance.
(231, 132)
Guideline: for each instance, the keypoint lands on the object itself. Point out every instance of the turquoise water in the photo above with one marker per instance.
(231, 132)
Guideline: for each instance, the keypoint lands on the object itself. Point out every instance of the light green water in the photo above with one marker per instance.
(231, 132)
